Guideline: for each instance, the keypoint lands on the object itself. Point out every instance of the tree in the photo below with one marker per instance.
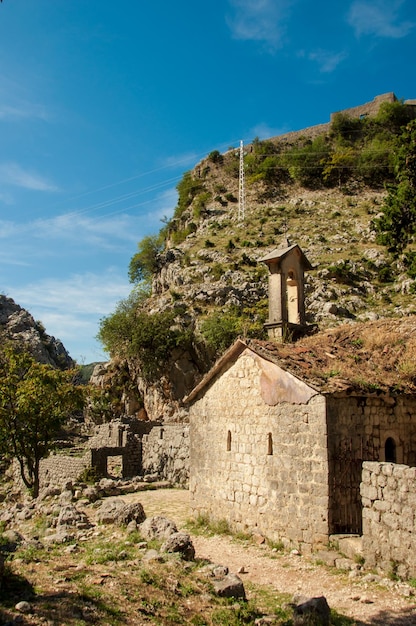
(307, 164)
(35, 401)
(144, 263)
(339, 166)
(397, 226)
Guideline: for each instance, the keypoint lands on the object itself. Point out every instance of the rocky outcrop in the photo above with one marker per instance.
(18, 325)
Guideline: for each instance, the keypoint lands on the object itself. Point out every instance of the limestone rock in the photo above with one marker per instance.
(91, 493)
(132, 512)
(18, 324)
(180, 543)
(230, 586)
(312, 612)
(70, 516)
(120, 513)
(23, 607)
(109, 510)
(157, 527)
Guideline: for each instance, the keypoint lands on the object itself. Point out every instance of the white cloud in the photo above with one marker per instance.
(260, 20)
(71, 308)
(181, 160)
(78, 230)
(380, 18)
(22, 110)
(84, 294)
(14, 175)
(264, 131)
(327, 61)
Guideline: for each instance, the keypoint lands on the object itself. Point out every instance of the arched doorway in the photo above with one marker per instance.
(390, 454)
(292, 293)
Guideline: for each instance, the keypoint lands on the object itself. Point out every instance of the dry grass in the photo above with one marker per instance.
(373, 356)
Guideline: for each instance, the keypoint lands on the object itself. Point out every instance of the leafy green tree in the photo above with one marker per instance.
(144, 263)
(306, 164)
(375, 161)
(132, 332)
(188, 187)
(393, 116)
(346, 129)
(220, 329)
(216, 157)
(397, 226)
(35, 401)
(339, 166)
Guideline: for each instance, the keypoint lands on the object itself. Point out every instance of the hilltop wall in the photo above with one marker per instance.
(369, 108)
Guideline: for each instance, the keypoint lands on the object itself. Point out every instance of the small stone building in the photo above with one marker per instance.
(278, 433)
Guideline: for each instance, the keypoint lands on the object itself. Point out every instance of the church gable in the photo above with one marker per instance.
(273, 383)
(277, 385)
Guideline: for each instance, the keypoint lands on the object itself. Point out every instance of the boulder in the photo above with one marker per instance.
(91, 494)
(312, 612)
(12, 539)
(109, 510)
(157, 527)
(120, 513)
(230, 586)
(133, 512)
(109, 487)
(180, 543)
(69, 515)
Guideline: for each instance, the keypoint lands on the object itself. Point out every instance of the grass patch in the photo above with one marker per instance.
(105, 552)
(205, 525)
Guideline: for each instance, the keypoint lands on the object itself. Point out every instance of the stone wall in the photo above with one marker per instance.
(389, 523)
(360, 429)
(263, 468)
(56, 469)
(369, 108)
(165, 453)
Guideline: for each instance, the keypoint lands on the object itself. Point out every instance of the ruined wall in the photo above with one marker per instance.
(389, 523)
(263, 468)
(369, 108)
(165, 453)
(56, 469)
(361, 429)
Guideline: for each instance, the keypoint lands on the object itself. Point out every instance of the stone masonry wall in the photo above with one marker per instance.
(358, 428)
(165, 452)
(369, 108)
(56, 469)
(263, 468)
(389, 522)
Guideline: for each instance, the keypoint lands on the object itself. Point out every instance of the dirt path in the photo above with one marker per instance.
(365, 601)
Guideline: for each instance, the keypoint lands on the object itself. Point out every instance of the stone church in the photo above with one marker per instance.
(275, 446)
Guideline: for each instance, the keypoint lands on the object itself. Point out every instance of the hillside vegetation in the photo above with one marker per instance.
(343, 193)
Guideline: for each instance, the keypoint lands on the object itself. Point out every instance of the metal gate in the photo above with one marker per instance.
(345, 511)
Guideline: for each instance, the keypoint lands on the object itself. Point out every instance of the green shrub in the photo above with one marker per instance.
(217, 270)
(131, 332)
(216, 157)
(187, 188)
(144, 263)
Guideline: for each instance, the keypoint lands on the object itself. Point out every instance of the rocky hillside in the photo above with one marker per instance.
(18, 325)
(208, 274)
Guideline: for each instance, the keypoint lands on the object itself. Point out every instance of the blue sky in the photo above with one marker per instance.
(104, 105)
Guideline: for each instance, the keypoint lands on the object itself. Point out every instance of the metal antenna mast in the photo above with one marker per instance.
(241, 187)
